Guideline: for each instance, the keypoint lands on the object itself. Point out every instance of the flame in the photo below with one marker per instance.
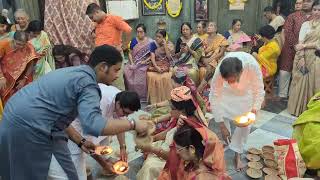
(243, 119)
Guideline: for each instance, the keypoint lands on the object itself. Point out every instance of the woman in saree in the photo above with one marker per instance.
(201, 30)
(22, 19)
(214, 49)
(17, 64)
(4, 28)
(188, 53)
(268, 54)
(41, 43)
(306, 67)
(182, 104)
(306, 130)
(135, 72)
(237, 39)
(161, 112)
(159, 73)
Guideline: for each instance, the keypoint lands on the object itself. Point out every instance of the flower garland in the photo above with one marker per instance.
(170, 11)
(154, 7)
(234, 1)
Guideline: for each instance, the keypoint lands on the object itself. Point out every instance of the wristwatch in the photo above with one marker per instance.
(83, 140)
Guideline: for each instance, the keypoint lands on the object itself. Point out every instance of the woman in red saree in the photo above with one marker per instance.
(17, 62)
(197, 152)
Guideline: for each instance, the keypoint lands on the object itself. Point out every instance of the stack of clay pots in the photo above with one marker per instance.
(262, 163)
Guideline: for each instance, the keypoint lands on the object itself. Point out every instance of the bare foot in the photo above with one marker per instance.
(239, 165)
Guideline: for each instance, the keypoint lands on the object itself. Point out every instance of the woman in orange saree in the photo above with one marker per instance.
(17, 63)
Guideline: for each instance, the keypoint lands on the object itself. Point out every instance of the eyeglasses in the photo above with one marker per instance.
(180, 149)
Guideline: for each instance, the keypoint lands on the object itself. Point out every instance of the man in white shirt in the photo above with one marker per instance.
(114, 104)
(275, 21)
(236, 88)
(5, 13)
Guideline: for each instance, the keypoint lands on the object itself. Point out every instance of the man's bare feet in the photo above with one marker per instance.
(239, 165)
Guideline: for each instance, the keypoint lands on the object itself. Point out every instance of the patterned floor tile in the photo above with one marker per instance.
(263, 117)
(280, 125)
(275, 106)
(285, 113)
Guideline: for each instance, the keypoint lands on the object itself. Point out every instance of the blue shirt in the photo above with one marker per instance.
(52, 102)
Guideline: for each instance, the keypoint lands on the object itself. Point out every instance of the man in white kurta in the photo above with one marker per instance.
(235, 93)
(107, 106)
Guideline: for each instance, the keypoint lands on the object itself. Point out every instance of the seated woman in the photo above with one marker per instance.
(159, 74)
(237, 39)
(201, 31)
(214, 49)
(268, 54)
(188, 53)
(66, 56)
(16, 74)
(161, 112)
(41, 43)
(135, 72)
(182, 104)
(22, 19)
(306, 130)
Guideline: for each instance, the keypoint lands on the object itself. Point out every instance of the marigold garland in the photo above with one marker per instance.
(171, 13)
(154, 7)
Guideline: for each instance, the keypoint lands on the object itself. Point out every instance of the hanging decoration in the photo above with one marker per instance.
(237, 1)
(174, 7)
(152, 7)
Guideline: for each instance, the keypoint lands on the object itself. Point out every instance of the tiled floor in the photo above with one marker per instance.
(273, 122)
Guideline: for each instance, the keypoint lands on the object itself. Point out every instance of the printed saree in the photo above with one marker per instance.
(305, 80)
(212, 158)
(46, 63)
(136, 74)
(13, 65)
(189, 63)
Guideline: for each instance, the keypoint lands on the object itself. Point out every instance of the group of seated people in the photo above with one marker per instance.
(152, 63)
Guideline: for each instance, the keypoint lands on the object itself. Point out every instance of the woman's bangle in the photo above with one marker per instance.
(123, 146)
(25, 77)
(132, 124)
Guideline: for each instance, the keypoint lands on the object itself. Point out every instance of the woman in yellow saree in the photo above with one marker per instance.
(268, 54)
(306, 130)
(214, 48)
(41, 43)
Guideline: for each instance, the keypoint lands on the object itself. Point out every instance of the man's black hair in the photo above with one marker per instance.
(129, 100)
(35, 26)
(230, 66)
(267, 32)
(105, 53)
(93, 7)
(269, 9)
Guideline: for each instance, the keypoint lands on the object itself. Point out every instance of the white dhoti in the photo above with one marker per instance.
(234, 105)
(229, 101)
